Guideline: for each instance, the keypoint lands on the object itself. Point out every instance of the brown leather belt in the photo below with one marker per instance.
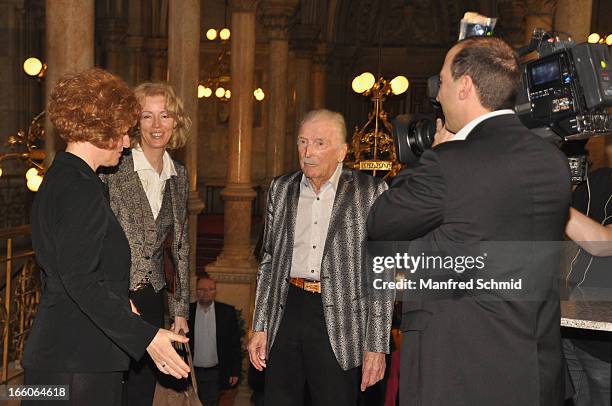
(306, 284)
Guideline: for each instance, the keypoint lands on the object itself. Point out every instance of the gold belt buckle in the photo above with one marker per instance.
(313, 287)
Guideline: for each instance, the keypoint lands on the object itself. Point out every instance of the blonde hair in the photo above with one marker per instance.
(175, 108)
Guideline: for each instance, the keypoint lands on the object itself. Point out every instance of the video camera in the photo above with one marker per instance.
(566, 91)
(563, 96)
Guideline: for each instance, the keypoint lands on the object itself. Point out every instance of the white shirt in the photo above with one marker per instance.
(153, 183)
(205, 336)
(311, 224)
(467, 129)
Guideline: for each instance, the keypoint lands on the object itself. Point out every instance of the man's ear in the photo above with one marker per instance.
(343, 152)
(466, 87)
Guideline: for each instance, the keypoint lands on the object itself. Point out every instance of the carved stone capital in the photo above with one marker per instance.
(243, 6)
(321, 56)
(304, 38)
(195, 205)
(278, 17)
(113, 33)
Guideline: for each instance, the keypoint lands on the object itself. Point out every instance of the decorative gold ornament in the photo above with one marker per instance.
(372, 147)
(23, 146)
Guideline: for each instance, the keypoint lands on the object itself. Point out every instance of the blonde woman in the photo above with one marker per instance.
(148, 194)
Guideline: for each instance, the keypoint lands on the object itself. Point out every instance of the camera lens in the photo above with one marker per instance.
(412, 136)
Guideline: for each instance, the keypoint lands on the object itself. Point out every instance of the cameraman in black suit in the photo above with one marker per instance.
(501, 183)
(214, 337)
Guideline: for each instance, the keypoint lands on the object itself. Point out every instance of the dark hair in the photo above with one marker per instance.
(493, 67)
(92, 106)
(202, 276)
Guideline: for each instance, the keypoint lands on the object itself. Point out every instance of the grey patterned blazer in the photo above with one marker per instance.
(146, 235)
(355, 323)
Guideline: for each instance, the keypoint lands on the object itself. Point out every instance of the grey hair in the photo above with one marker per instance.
(334, 117)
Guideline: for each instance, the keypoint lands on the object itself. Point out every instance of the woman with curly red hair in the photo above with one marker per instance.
(85, 330)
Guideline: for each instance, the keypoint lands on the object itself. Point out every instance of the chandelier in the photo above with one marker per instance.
(596, 38)
(219, 78)
(372, 147)
(23, 146)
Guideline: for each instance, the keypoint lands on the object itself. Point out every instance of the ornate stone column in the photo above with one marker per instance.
(70, 46)
(113, 35)
(539, 14)
(277, 16)
(235, 268)
(320, 77)
(157, 48)
(136, 60)
(303, 42)
(183, 72)
(111, 31)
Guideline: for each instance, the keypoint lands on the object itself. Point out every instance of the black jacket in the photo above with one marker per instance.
(502, 184)
(228, 341)
(84, 321)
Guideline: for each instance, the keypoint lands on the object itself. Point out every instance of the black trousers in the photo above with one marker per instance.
(302, 356)
(142, 376)
(208, 385)
(85, 389)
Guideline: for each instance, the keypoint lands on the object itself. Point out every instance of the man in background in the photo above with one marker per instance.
(214, 337)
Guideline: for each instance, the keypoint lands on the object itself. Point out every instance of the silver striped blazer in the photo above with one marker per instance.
(355, 323)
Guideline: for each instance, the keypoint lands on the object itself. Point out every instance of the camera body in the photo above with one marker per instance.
(565, 93)
(563, 96)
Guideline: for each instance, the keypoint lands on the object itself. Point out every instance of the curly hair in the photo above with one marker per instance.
(175, 108)
(93, 106)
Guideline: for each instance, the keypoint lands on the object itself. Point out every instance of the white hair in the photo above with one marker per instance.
(335, 118)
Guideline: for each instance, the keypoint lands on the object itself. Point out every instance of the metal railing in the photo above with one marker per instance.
(20, 295)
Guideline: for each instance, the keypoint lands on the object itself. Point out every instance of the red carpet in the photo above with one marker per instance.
(210, 238)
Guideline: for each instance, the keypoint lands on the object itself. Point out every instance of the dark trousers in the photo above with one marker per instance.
(142, 376)
(590, 375)
(302, 355)
(208, 385)
(85, 389)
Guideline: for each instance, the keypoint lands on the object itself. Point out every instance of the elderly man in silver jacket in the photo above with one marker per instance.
(313, 309)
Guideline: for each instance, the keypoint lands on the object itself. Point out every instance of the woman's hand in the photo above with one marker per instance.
(165, 357)
(180, 323)
(134, 309)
